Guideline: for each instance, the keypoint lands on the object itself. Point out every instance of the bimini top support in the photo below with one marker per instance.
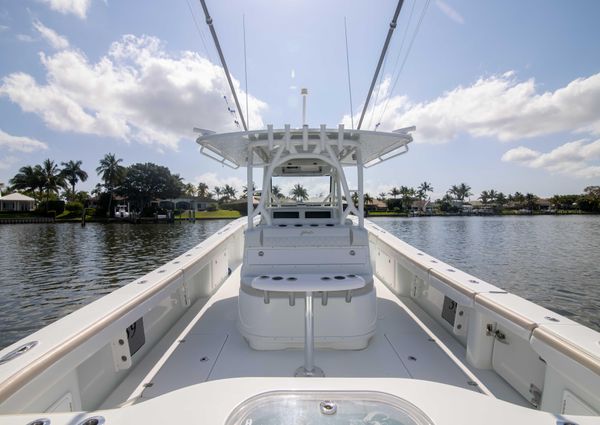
(305, 152)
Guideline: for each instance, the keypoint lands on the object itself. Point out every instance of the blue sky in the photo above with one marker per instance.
(505, 95)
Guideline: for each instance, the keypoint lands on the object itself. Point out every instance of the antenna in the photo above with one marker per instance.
(348, 67)
(304, 93)
(209, 22)
(381, 57)
(245, 69)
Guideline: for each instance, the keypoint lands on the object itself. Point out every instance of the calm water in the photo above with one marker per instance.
(553, 261)
(48, 271)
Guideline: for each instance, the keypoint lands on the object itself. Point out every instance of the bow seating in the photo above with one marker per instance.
(311, 258)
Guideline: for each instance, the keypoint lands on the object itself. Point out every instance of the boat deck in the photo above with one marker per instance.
(206, 346)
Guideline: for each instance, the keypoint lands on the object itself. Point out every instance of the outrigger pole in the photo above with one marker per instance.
(383, 51)
(209, 22)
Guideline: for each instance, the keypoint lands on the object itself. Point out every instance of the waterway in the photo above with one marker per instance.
(50, 270)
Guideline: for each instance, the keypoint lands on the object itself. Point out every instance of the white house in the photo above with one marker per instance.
(17, 202)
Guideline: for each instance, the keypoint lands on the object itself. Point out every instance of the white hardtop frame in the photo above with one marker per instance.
(305, 152)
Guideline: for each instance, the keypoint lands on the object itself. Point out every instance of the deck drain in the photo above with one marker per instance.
(412, 358)
(204, 359)
(472, 383)
(552, 319)
(148, 384)
(141, 282)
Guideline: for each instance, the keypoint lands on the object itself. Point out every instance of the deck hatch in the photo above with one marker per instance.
(307, 407)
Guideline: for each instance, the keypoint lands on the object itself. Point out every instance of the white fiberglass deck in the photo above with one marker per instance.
(210, 348)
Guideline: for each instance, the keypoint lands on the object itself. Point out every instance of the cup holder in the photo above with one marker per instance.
(264, 277)
(339, 277)
(351, 275)
(283, 225)
(292, 278)
(277, 278)
(329, 225)
(325, 278)
(297, 225)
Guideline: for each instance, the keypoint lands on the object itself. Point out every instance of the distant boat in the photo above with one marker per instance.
(122, 211)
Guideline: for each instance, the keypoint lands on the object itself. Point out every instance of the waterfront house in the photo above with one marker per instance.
(187, 203)
(17, 202)
(421, 206)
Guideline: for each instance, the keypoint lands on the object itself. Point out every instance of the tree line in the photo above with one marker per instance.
(141, 183)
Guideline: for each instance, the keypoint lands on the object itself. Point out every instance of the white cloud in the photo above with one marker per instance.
(55, 40)
(497, 106)
(293, 73)
(20, 143)
(137, 92)
(576, 159)
(212, 180)
(4, 28)
(450, 12)
(25, 38)
(78, 8)
(7, 162)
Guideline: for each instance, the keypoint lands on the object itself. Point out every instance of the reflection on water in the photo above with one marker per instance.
(50, 270)
(553, 261)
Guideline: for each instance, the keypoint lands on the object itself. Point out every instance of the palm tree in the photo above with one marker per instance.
(73, 173)
(395, 192)
(229, 191)
(382, 196)
(531, 201)
(500, 201)
(299, 192)
(367, 198)
(423, 189)
(218, 192)
(493, 195)
(407, 194)
(461, 191)
(190, 189)
(485, 197)
(276, 191)
(203, 191)
(52, 178)
(28, 179)
(111, 174)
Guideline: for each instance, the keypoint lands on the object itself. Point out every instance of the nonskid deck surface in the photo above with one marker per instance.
(213, 349)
